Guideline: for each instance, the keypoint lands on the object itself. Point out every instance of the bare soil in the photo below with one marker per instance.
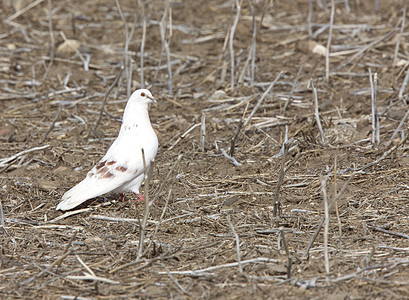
(207, 207)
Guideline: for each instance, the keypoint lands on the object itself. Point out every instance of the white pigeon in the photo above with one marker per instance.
(121, 169)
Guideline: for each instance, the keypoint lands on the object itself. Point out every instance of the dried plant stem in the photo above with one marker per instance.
(276, 203)
(167, 178)
(331, 23)
(125, 55)
(23, 10)
(129, 78)
(69, 214)
(326, 222)
(260, 101)
(317, 231)
(52, 124)
(363, 49)
(90, 275)
(93, 278)
(243, 70)
(231, 158)
(404, 83)
(174, 280)
(2, 226)
(127, 62)
(85, 62)
(203, 133)
(316, 113)
(253, 47)
(231, 39)
(184, 135)
(402, 122)
(236, 134)
(111, 219)
(336, 203)
(290, 96)
(384, 155)
(223, 64)
(375, 117)
(347, 6)
(104, 101)
(238, 129)
(84, 265)
(358, 273)
(165, 43)
(394, 233)
(395, 55)
(58, 261)
(52, 41)
(142, 51)
(309, 18)
(287, 252)
(162, 214)
(4, 162)
(252, 50)
(229, 265)
(147, 263)
(167, 199)
(142, 231)
(236, 237)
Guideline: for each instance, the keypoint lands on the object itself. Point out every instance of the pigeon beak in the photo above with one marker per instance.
(152, 99)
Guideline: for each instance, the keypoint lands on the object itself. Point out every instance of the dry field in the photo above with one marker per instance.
(314, 204)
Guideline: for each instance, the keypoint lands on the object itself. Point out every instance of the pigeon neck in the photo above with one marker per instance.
(135, 113)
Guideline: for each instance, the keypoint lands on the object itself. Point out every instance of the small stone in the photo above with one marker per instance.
(93, 240)
(218, 95)
(11, 47)
(69, 46)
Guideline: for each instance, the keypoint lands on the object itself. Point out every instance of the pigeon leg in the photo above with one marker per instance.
(122, 197)
(140, 197)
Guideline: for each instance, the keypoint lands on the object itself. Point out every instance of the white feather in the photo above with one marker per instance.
(121, 169)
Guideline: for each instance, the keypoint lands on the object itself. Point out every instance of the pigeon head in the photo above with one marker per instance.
(137, 107)
(142, 96)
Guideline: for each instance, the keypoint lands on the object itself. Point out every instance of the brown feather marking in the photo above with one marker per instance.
(107, 175)
(110, 163)
(100, 164)
(103, 170)
(121, 168)
(104, 173)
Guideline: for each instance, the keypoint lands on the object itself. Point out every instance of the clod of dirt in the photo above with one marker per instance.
(47, 185)
(6, 131)
(341, 133)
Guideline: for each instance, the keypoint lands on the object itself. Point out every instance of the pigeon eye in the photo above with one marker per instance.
(143, 94)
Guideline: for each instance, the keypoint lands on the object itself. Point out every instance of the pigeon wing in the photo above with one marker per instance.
(106, 176)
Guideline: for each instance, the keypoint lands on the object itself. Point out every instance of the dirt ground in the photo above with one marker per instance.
(214, 231)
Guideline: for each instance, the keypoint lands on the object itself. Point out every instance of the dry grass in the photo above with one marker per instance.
(226, 224)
